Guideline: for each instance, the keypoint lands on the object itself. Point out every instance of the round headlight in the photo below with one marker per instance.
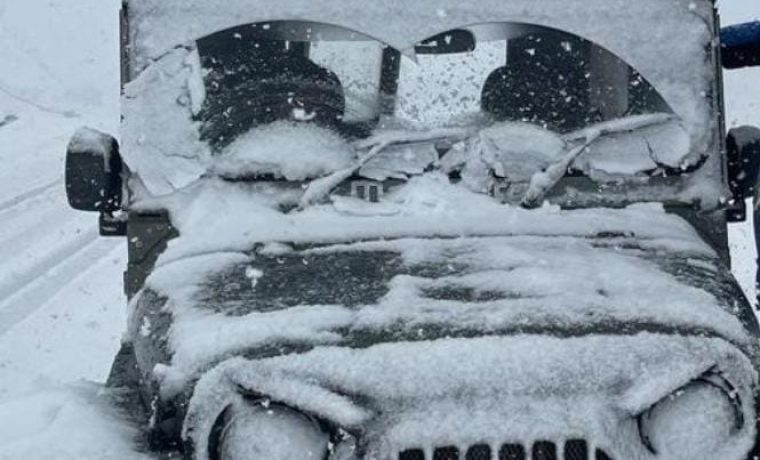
(273, 432)
(692, 423)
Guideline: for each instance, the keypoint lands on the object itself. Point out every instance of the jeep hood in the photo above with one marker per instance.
(243, 279)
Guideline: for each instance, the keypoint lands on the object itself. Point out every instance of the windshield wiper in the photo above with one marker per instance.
(542, 182)
(321, 187)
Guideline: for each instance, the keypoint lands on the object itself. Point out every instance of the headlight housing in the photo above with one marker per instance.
(695, 421)
(259, 430)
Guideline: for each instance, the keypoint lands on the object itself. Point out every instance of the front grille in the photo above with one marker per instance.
(573, 449)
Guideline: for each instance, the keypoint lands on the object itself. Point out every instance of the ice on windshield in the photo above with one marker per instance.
(295, 101)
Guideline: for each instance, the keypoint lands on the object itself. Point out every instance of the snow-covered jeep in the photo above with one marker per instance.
(429, 230)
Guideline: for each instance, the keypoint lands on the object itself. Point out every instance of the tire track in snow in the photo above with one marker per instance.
(34, 231)
(30, 290)
(21, 198)
(54, 258)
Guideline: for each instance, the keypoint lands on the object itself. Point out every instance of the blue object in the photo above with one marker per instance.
(741, 34)
(740, 45)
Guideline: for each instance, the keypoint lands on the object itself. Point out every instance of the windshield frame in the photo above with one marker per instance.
(385, 86)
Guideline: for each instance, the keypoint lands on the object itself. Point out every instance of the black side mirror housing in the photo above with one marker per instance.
(740, 45)
(93, 172)
(94, 178)
(743, 146)
(743, 155)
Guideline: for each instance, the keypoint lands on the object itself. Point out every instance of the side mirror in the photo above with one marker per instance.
(94, 177)
(740, 45)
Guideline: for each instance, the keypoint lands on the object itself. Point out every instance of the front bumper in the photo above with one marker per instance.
(544, 396)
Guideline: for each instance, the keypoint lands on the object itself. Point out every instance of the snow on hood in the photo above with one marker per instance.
(522, 387)
(453, 262)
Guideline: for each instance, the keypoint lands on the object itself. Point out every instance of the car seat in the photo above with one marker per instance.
(545, 82)
(275, 87)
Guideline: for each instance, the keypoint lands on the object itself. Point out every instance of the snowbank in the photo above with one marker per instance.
(67, 423)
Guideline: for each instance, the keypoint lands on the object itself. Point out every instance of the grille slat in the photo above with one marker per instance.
(412, 454)
(446, 453)
(572, 449)
(576, 449)
(544, 450)
(601, 455)
(512, 452)
(479, 452)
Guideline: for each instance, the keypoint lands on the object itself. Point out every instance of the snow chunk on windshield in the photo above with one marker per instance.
(517, 150)
(637, 150)
(510, 150)
(294, 151)
(161, 142)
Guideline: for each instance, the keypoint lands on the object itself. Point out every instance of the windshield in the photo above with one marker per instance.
(298, 101)
(494, 71)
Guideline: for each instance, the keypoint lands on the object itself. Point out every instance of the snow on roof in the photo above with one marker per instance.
(666, 41)
(540, 268)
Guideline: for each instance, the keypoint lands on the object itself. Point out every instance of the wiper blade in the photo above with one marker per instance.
(542, 182)
(321, 187)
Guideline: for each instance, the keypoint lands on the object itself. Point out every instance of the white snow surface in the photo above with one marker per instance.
(515, 151)
(634, 160)
(160, 142)
(214, 215)
(293, 151)
(544, 263)
(66, 423)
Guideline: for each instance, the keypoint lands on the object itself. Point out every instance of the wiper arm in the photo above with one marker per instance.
(321, 187)
(542, 182)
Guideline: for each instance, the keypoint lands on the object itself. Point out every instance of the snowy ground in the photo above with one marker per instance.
(61, 306)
